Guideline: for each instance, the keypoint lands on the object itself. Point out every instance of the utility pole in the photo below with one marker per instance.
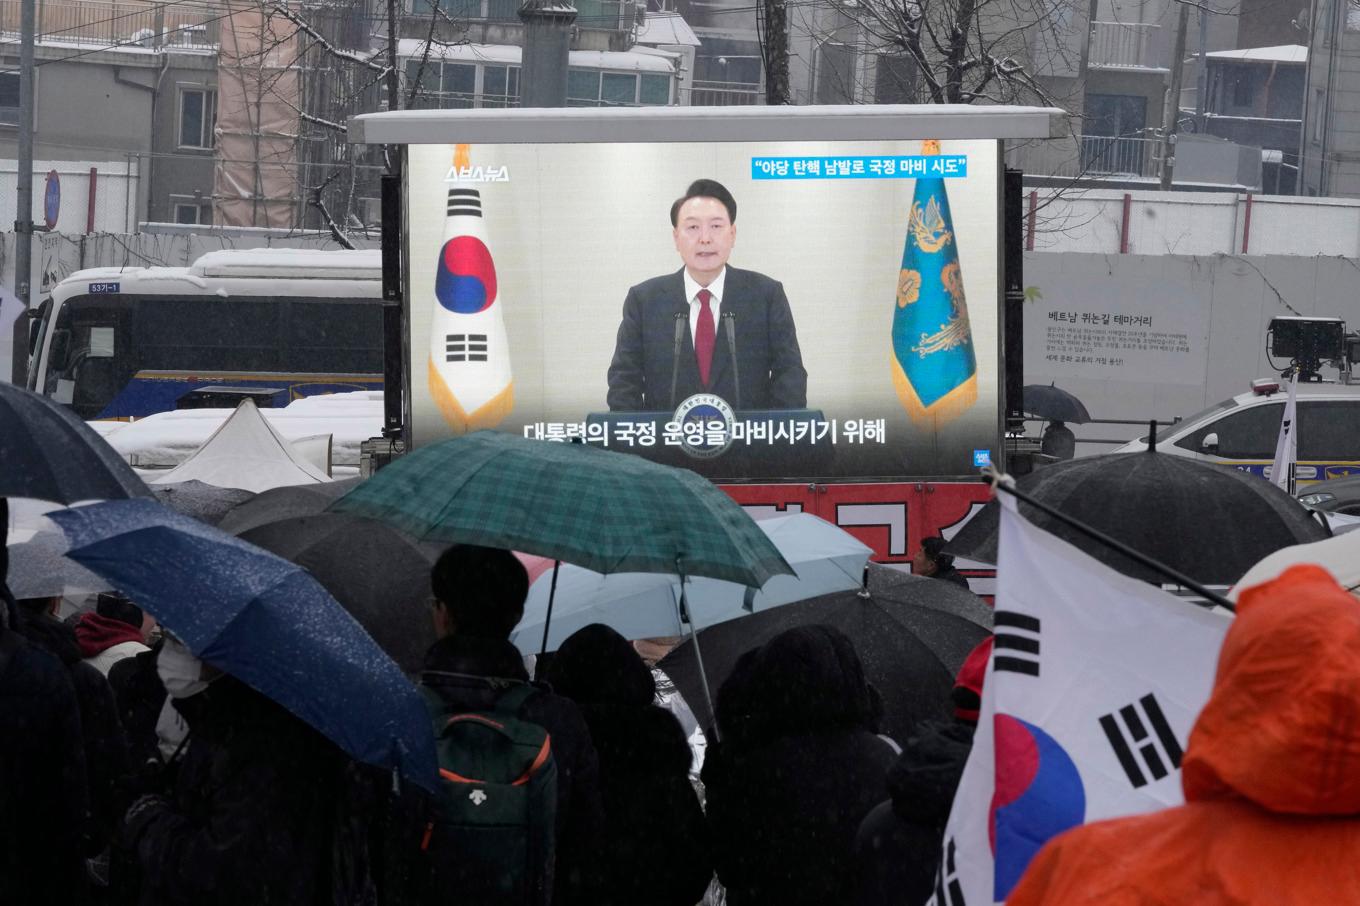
(1202, 70)
(23, 217)
(776, 53)
(1171, 110)
(547, 44)
(393, 73)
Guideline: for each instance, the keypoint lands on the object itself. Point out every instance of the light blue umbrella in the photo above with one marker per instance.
(647, 605)
(265, 621)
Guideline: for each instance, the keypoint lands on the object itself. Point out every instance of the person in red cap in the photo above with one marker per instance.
(897, 848)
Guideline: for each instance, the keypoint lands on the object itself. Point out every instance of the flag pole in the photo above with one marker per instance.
(1094, 534)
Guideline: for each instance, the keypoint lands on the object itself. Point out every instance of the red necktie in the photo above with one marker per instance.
(705, 335)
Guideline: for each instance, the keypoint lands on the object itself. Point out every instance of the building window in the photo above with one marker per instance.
(583, 88)
(197, 117)
(1243, 93)
(594, 88)
(190, 210)
(1319, 113)
(9, 98)
(654, 90)
(500, 86)
(462, 85)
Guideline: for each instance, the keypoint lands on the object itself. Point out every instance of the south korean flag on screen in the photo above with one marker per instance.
(1094, 684)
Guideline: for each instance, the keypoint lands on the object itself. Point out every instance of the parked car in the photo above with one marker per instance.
(1242, 431)
(1340, 495)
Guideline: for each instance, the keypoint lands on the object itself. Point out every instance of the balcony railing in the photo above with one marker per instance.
(725, 94)
(1097, 157)
(124, 22)
(612, 15)
(1123, 45)
(1122, 156)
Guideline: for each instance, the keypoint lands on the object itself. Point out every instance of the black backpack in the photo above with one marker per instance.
(491, 840)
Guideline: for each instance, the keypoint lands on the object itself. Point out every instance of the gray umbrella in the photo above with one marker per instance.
(278, 504)
(50, 454)
(205, 502)
(39, 569)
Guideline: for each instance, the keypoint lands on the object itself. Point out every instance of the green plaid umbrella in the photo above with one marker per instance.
(609, 512)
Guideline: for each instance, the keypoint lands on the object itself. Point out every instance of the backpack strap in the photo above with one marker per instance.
(508, 702)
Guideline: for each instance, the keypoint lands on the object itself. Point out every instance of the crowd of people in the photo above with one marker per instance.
(137, 773)
(151, 777)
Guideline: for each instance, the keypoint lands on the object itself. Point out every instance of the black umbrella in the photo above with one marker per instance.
(910, 632)
(205, 502)
(1054, 404)
(285, 503)
(1210, 522)
(47, 452)
(379, 574)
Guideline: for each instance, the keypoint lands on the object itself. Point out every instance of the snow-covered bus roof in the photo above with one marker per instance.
(639, 59)
(851, 122)
(348, 273)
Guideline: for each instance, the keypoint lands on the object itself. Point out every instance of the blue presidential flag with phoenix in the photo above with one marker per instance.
(934, 363)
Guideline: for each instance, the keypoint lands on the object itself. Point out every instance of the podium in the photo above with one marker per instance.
(764, 443)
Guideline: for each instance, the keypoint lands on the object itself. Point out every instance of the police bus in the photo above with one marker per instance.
(129, 342)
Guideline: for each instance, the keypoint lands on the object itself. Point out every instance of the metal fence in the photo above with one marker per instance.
(116, 22)
(1119, 155)
(1094, 156)
(725, 94)
(603, 14)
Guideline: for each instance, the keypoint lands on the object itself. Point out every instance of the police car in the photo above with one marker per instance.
(1242, 431)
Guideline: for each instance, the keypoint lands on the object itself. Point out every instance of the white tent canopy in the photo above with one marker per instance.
(247, 453)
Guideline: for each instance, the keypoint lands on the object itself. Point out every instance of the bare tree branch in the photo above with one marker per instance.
(348, 55)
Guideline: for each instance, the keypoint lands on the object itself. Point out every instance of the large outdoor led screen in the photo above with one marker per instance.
(853, 332)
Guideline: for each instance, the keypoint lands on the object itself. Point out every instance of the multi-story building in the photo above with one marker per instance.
(1115, 70)
(124, 107)
(471, 57)
(1329, 151)
(1255, 99)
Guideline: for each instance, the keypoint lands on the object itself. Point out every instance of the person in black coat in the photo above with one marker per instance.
(798, 767)
(248, 818)
(140, 695)
(897, 849)
(106, 756)
(654, 828)
(932, 561)
(43, 794)
(479, 595)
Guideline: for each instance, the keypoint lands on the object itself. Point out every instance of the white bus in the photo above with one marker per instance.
(129, 342)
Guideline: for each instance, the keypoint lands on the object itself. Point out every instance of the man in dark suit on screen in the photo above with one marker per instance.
(679, 330)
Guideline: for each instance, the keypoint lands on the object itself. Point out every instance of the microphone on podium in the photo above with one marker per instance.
(681, 322)
(730, 328)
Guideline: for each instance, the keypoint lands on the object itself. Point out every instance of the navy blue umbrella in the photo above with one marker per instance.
(47, 452)
(263, 620)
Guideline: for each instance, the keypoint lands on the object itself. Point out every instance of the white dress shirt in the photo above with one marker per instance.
(692, 288)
